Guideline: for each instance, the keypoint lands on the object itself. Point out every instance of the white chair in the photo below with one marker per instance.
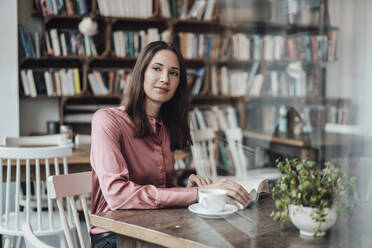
(43, 222)
(76, 184)
(30, 141)
(31, 240)
(44, 140)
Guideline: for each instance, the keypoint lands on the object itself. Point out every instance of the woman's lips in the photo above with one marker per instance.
(162, 90)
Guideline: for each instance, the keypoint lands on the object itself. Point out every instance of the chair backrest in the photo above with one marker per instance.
(203, 152)
(44, 140)
(205, 148)
(31, 240)
(69, 186)
(35, 158)
(234, 138)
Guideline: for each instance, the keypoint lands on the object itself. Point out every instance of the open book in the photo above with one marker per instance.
(256, 183)
(255, 187)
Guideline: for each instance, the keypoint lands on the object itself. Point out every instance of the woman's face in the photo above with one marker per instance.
(161, 78)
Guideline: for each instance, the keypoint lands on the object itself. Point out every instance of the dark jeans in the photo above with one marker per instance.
(104, 240)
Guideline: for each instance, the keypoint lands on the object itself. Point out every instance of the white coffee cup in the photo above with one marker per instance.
(213, 200)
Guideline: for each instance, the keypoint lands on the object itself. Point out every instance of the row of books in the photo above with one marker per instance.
(130, 44)
(214, 117)
(229, 82)
(201, 9)
(207, 46)
(65, 42)
(305, 47)
(304, 12)
(280, 83)
(108, 83)
(314, 117)
(222, 81)
(312, 47)
(57, 7)
(195, 80)
(126, 8)
(31, 42)
(52, 82)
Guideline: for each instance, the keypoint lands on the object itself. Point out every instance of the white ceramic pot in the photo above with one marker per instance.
(301, 218)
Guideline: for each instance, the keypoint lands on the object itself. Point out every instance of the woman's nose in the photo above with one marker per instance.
(164, 77)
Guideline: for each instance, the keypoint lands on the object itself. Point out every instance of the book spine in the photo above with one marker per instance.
(76, 77)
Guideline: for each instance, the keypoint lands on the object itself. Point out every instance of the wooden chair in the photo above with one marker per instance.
(69, 186)
(43, 222)
(31, 240)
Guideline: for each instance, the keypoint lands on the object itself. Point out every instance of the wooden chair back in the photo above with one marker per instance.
(203, 152)
(30, 238)
(37, 163)
(71, 186)
(234, 138)
(205, 148)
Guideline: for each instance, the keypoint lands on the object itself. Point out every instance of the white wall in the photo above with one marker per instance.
(9, 113)
(351, 75)
(34, 113)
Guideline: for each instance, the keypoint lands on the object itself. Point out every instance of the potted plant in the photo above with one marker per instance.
(310, 196)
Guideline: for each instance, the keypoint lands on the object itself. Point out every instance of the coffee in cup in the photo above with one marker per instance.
(213, 200)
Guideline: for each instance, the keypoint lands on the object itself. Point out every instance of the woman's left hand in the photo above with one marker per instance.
(198, 181)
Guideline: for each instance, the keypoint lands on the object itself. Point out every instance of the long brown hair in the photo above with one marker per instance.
(173, 113)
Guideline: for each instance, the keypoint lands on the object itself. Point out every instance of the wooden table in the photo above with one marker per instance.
(315, 146)
(252, 227)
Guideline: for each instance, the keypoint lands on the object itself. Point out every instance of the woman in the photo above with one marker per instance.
(132, 145)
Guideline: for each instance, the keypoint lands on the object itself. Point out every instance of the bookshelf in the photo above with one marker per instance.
(242, 62)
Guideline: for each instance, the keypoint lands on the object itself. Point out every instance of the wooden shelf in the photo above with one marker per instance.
(211, 97)
(298, 100)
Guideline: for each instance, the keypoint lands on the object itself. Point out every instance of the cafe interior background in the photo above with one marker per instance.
(347, 77)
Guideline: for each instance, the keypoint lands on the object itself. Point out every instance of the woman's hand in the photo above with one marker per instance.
(235, 191)
(198, 181)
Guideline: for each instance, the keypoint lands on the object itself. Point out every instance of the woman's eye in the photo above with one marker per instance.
(156, 68)
(174, 73)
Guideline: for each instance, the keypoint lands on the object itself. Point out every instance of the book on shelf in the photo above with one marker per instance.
(165, 8)
(131, 43)
(203, 46)
(51, 82)
(112, 82)
(126, 8)
(30, 42)
(197, 9)
(64, 42)
(57, 7)
(214, 117)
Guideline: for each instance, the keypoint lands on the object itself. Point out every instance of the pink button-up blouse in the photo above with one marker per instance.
(130, 172)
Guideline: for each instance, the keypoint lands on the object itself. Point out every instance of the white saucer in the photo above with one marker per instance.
(196, 208)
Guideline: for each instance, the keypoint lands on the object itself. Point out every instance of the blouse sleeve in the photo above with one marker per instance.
(112, 172)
